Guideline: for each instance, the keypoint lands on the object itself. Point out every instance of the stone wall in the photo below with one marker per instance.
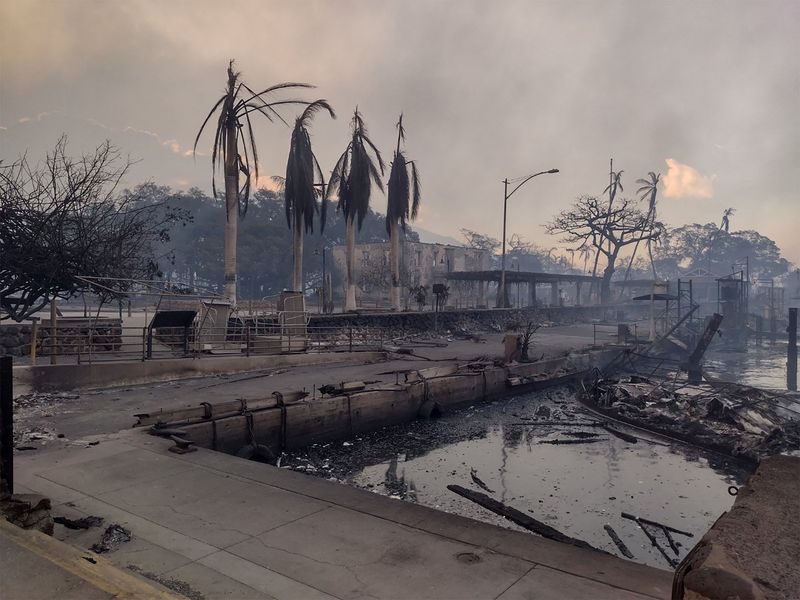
(15, 340)
(73, 336)
(478, 319)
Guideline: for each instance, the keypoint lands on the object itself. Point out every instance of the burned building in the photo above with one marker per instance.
(421, 264)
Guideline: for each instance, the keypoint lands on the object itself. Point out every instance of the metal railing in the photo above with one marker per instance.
(71, 345)
(619, 333)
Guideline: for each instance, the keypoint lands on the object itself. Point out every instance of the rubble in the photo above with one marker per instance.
(31, 414)
(740, 421)
(29, 511)
(114, 536)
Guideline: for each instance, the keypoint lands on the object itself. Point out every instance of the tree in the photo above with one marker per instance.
(304, 182)
(234, 149)
(352, 179)
(589, 223)
(62, 221)
(648, 191)
(697, 246)
(403, 202)
(614, 185)
(480, 241)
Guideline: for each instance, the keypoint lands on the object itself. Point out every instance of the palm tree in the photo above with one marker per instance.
(304, 182)
(352, 179)
(399, 209)
(648, 191)
(235, 151)
(726, 219)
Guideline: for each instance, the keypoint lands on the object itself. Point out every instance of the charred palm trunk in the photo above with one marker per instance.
(231, 212)
(608, 273)
(297, 253)
(350, 297)
(394, 260)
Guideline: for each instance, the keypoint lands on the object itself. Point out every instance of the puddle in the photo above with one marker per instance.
(577, 488)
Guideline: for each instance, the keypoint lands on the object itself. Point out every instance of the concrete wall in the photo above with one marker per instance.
(332, 418)
(752, 551)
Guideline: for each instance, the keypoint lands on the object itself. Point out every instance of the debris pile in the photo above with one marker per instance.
(29, 511)
(31, 414)
(741, 421)
(114, 536)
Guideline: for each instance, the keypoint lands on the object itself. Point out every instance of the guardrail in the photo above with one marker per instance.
(106, 343)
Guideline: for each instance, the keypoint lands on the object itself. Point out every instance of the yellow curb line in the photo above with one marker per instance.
(102, 574)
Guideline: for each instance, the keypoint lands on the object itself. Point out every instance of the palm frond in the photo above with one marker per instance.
(303, 172)
(234, 118)
(356, 172)
(403, 191)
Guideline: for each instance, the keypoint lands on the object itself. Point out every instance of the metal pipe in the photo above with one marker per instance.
(6, 426)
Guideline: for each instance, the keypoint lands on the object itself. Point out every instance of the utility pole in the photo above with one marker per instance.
(791, 352)
(502, 300)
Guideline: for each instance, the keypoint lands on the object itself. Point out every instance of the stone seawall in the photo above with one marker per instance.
(75, 335)
(480, 319)
(15, 340)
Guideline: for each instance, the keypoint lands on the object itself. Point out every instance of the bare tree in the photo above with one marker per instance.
(590, 223)
(480, 241)
(63, 219)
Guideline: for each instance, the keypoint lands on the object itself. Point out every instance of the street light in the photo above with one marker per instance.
(502, 297)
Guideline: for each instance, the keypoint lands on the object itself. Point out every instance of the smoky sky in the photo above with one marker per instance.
(488, 90)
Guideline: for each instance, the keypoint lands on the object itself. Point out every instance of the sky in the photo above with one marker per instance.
(705, 92)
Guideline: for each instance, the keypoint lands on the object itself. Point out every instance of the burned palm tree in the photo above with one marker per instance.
(403, 204)
(352, 179)
(304, 183)
(234, 150)
(726, 219)
(648, 192)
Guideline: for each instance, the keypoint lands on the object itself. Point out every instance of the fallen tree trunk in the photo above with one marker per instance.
(519, 518)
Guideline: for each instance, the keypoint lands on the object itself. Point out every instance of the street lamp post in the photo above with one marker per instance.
(502, 296)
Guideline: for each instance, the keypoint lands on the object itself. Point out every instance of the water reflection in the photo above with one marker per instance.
(576, 487)
(763, 365)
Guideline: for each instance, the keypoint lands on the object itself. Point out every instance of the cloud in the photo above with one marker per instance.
(683, 181)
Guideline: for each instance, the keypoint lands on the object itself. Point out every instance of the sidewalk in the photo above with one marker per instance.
(215, 526)
(34, 566)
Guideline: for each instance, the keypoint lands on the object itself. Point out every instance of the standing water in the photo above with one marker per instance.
(504, 449)
(763, 365)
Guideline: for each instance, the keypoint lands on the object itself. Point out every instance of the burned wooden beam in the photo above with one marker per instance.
(656, 524)
(693, 362)
(617, 541)
(621, 434)
(520, 518)
(578, 441)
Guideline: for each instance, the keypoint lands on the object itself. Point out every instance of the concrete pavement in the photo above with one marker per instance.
(215, 526)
